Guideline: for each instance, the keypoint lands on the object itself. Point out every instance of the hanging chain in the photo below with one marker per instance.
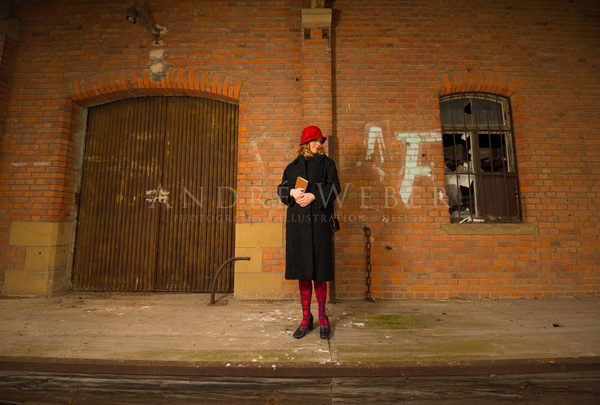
(368, 251)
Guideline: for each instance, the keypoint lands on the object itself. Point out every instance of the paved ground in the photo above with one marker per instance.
(182, 327)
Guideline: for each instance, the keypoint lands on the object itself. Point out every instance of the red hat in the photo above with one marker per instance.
(310, 134)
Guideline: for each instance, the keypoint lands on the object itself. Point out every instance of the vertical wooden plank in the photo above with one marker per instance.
(114, 197)
(198, 161)
(194, 208)
(86, 207)
(202, 174)
(212, 186)
(126, 236)
(113, 228)
(164, 239)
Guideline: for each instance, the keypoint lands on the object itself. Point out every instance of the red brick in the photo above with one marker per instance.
(386, 69)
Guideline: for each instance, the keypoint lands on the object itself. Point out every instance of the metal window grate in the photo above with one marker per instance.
(480, 164)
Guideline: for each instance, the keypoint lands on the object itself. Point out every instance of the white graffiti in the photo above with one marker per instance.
(256, 153)
(381, 155)
(375, 139)
(411, 168)
(376, 146)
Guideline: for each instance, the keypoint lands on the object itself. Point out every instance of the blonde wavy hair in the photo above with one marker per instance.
(304, 150)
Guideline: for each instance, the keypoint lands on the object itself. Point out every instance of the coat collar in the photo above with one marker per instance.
(317, 157)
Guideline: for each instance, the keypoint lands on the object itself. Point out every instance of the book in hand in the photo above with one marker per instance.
(301, 183)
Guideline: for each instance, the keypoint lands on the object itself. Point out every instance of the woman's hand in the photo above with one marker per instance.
(305, 199)
(301, 197)
(296, 193)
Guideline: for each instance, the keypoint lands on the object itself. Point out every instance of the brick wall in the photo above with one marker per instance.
(82, 49)
(390, 63)
(7, 56)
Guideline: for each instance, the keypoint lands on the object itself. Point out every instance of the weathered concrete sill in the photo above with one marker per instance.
(525, 228)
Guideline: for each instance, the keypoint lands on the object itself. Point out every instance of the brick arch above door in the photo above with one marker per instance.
(130, 83)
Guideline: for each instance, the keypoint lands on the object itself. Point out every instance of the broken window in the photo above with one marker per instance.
(479, 158)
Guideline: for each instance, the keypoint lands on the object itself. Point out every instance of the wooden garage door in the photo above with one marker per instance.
(129, 236)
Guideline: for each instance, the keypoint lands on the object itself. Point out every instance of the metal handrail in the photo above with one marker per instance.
(214, 283)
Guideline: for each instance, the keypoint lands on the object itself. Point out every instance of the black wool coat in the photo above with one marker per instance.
(309, 237)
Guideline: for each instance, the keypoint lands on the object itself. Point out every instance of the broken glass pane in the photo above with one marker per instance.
(456, 112)
(487, 112)
(492, 153)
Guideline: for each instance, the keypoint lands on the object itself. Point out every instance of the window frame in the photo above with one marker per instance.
(484, 185)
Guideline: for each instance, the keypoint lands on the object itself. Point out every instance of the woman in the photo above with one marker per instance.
(309, 236)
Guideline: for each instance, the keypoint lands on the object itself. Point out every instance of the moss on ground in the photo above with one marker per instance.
(392, 321)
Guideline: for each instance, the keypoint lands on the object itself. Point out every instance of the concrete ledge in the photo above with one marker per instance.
(10, 27)
(526, 228)
(301, 369)
(316, 17)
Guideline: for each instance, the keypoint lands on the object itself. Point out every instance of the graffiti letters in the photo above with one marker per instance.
(411, 159)
(382, 156)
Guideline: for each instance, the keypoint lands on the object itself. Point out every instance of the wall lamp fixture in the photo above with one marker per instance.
(136, 11)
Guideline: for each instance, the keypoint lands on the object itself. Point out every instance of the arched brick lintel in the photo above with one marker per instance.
(131, 83)
(487, 82)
